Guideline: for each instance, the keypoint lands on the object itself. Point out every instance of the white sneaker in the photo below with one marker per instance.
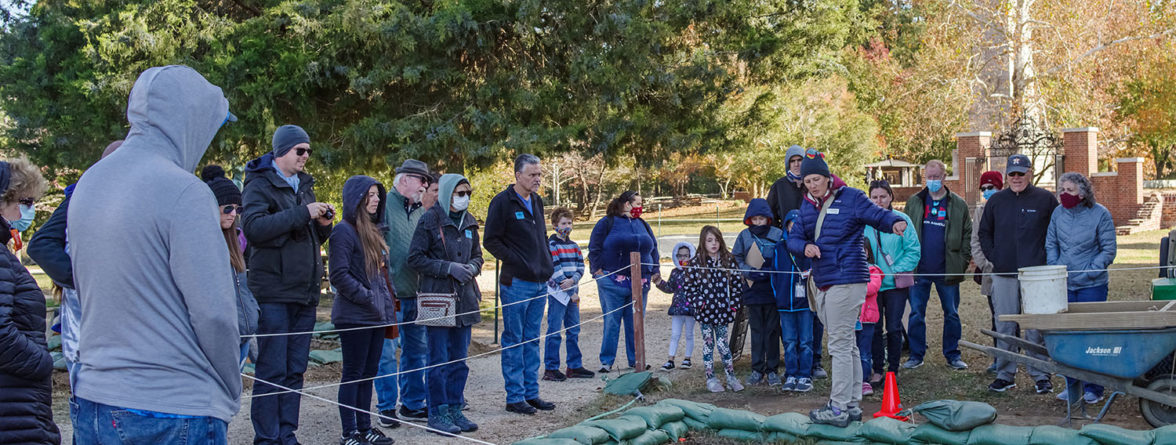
(733, 382)
(713, 385)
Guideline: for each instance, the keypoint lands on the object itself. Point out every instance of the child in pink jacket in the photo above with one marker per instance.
(870, 314)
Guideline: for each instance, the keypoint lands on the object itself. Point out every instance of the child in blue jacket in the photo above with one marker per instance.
(796, 319)
(761, 236)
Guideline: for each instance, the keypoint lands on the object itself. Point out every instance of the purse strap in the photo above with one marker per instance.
(821, 218)
(445, 247)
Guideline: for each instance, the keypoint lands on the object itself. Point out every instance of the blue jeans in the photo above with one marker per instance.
(865, 342)
(949, 298)
(447, 383)
(95, 424)
(282, 360)
(388, 388)
(1087, 295)
(361, 358)
(520, 324)
(612, 296)
(414, 354)
(561, 316)
(796, 332)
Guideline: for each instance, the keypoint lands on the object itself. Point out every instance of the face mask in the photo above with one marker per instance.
(934, 185)
(635, 212)
(563, 231)
(988, 193)
(460, 203)
(792, 177)
(27, 213)
(1068, 200)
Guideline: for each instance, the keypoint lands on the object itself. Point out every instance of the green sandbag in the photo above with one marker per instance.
(323, 357)
(546, 441)
(651, 437)
(1056, 435)
(887, 430)
(58, 360)
(997, 434)
(723, 418)
(53, 343)
(694, 424)
(321, 326)
(929, 433)
(778, 437)
(620, 428)
(1165, 435)
(629, 384)
(954, 415)
(676, 430)
(830, 432)
(697, 411)
(656, 416)
(1113, 435)
(588, 435)
(794, 424)
(744, 435)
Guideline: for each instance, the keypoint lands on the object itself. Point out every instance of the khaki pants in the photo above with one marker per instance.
(839, 309)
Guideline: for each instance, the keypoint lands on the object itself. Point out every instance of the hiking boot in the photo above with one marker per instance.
(1091, 398)
(733, 383)
(541, 404)
(755, 378)
(668, 365)
(912, 364)
(819, 373)
(553, 375)
(804, 384)
(387, 419)
(1043, 387)
(713, 385)
(773, 379)
(1001, 385)
(376, 437)
(520, 408)
(867, 390)
(686, 363)
(580, 373)
(957, 364)
(413, 414)
(830, 415)
(355, 438)
(460, 421)
(441, 423)
(789, 384)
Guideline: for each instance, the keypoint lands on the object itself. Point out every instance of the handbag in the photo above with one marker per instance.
(438, 309)
(902, 280)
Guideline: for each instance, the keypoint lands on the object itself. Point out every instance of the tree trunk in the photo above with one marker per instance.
(599, 191)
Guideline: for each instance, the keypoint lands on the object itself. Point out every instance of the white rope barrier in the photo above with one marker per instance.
(784, 272)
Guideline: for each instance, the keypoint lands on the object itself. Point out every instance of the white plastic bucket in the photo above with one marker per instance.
(1043, 289)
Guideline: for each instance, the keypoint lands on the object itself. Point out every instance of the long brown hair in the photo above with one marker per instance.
(235, 256)
(369, 237)
(725, 257)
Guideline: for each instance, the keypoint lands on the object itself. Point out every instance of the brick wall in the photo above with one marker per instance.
(1169, 209)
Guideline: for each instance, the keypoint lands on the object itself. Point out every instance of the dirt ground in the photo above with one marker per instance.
(578, 399)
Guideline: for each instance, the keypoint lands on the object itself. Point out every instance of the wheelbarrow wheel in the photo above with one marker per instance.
(1158, 414)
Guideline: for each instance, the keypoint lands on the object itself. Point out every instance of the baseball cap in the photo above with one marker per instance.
(1018, 163)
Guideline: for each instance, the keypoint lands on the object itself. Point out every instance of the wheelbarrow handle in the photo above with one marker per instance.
(1018, 341)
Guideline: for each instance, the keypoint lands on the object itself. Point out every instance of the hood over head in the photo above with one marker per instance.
(445, 187)
(758, 207)
(794, 150)
(674, 253)
(175, 110)
(791, 217)
(354, 190)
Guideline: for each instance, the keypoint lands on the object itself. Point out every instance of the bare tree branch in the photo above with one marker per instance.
(1108, 45)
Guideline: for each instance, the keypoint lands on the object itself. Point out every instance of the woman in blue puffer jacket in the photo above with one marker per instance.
(829, 232)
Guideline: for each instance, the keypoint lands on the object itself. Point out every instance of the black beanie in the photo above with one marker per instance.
(226, 192)
(814, 164)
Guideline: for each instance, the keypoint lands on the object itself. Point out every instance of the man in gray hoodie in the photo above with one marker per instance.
(158, 343)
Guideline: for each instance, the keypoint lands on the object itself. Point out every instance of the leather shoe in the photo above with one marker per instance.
(540, 404)
(520, 407)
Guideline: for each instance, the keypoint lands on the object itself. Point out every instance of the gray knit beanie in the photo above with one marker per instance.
(286, 137)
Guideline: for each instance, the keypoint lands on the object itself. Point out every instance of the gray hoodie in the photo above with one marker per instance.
(159, 312)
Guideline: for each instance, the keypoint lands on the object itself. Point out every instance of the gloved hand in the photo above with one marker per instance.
(460, 272)
(473, 270)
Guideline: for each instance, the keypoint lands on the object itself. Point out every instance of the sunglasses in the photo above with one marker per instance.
(1016, 174)
(987, 187)
(27, 201)
(302, 151)
(231, 209)
(463, 194)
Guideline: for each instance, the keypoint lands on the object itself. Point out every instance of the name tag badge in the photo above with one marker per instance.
(519, 215)
(799, 291)
(469, 234)
(833, 211)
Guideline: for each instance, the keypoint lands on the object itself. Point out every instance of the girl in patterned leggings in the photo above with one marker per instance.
(714, 286)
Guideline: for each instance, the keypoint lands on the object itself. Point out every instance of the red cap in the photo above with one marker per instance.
(992, 177)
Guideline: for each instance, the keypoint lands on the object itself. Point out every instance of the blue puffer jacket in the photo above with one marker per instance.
(843, 260)
(760, 291)
(1070, 241)
(784, 285)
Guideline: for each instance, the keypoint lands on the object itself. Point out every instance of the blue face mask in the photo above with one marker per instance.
(27, 213)
(934, 185)
(988, 193)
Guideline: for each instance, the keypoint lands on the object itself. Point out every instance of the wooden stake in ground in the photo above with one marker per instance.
(638, 308)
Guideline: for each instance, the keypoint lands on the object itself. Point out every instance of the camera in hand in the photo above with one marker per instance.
(329, 214)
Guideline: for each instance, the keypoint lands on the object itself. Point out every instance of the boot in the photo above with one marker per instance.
(459, 420)
(440, 420)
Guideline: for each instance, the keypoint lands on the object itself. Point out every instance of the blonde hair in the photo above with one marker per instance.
(25, 181)
(936, 163)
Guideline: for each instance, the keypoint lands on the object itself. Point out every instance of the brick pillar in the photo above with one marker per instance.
(1129, 188)
(1081, 148)
(972, 150)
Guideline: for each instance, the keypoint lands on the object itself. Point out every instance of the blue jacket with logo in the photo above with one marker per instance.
(843, 258)
(784, 285)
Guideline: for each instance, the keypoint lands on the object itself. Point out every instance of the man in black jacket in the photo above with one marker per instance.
(285, 227)
(1023, 212)
(516, 234)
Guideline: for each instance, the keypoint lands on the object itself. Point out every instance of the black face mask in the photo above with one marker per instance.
(760, 231)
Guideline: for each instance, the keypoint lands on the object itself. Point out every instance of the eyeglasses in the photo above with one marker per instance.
(229, 209)
(302, 151)
(682, 257)
(1017, 174)
(463, 194)
(27, 201)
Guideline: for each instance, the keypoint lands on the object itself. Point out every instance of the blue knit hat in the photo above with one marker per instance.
(814, 164)
(286, 137)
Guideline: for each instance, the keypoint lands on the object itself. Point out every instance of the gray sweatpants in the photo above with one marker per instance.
(1006, 299)
(839, 309)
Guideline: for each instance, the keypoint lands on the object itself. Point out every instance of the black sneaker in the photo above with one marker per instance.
(541, 404)
(387, 419)
(668, 365)
(355, 438)
(1043, 387)
(580, 373)
(413, 414)
(554, 375)
(1001, 385)
(376, 437)
(520, 407)
(686, 363)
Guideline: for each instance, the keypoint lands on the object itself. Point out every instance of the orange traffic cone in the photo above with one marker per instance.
(891, 403)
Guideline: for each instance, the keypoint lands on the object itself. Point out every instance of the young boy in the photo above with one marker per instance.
(563, 303)
(753, 249)
(796, 319)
